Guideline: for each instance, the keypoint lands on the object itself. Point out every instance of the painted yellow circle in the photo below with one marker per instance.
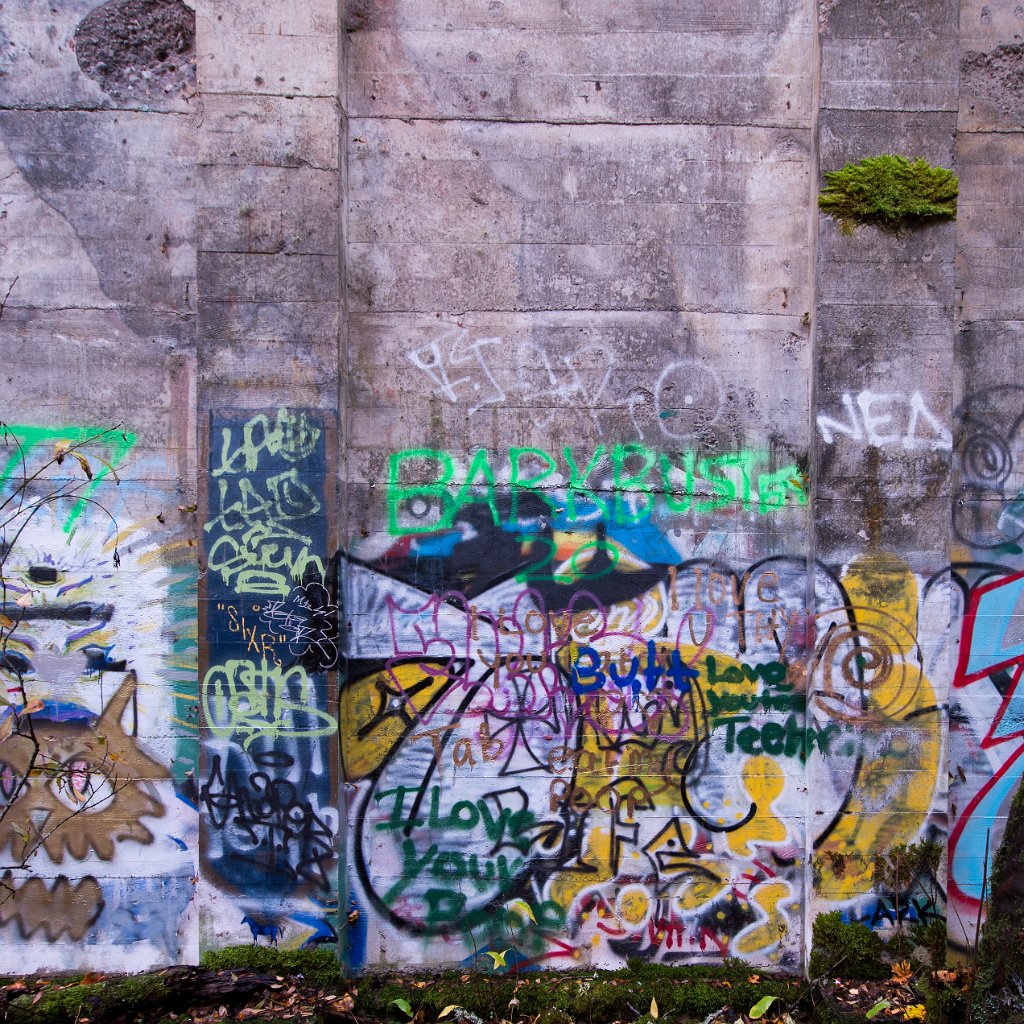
(633, 905)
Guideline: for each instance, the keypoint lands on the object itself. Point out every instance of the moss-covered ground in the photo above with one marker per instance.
(267, 986)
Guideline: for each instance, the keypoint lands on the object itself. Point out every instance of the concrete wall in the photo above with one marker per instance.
(537, 527)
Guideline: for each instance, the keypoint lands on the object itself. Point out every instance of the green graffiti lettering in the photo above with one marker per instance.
(399, 494)
(412, 868)
(645, 483)
(625, 480)
(577, 482)
(670, 491)
(773, 489)
(517, 482)
(479, 467)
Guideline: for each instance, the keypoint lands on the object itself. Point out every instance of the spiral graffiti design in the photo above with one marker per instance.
(985, 458)
(862, 671)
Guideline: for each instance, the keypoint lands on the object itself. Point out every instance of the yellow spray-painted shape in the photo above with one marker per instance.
(764, 781)
(769, 932)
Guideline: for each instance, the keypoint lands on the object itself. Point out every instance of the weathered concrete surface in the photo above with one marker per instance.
(268, 331)
(501, 348)
(98, 337)
(987, 460)
(883, 323)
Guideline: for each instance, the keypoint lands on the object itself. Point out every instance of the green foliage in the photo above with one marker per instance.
(123, 996)
(889, 192)
(682, 993)
(930, 937)
(943, 1003)
(554, 1016)
(850, 950)
(319, 966)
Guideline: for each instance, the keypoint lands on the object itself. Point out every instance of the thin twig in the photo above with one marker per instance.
(3, 303)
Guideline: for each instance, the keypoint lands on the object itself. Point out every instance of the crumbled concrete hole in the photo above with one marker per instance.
(138, 47)
(825, 8)
(996, 77)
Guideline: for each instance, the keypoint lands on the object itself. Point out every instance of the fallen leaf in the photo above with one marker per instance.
(84, 463)
(654, 1008)
(882, 1004)
(902, 972)
(754, 979)
(760, 1008)
(522, 904)
(448, 1009)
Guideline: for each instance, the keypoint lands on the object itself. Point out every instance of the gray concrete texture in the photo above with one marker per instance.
(462, 226)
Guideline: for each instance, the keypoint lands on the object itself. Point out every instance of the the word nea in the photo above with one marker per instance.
(640, 477)
(887, 418)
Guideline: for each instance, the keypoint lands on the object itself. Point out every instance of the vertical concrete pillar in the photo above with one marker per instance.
(988, 526)
(269, 282)
(883, 364)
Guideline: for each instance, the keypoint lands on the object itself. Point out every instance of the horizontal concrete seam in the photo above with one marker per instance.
(77, 306)
(890, 110)
(989, 131)
(298, 165)
(208, 92)
(517, 243)
(581, 122)
(532, 310)
(207, 251)
(14, 108)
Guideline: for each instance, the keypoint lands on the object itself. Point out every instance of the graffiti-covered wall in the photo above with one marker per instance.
(458, 495)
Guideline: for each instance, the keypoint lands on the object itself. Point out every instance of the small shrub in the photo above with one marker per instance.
(850, 950)
(889, 192)
(945, 1002)
(930, 938)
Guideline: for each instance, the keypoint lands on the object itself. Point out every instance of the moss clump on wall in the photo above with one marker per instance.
(319, 967)
(849, 950)
(890, 192)
(999, 987)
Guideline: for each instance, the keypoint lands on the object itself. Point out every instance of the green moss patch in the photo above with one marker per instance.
(849, 950)
(318, 967)
(688, 993)
(889, 192)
